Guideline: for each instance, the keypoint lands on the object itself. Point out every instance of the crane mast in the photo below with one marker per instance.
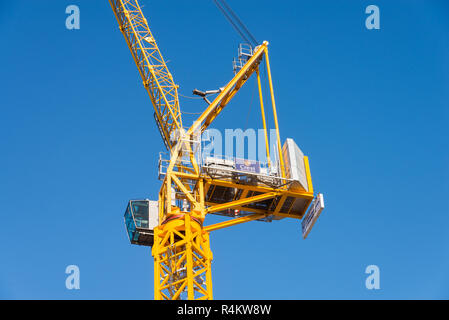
(194, 187)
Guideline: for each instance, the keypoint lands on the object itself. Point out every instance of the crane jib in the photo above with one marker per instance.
(157, 79)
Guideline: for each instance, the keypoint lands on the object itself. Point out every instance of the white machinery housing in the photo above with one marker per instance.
(295, 167)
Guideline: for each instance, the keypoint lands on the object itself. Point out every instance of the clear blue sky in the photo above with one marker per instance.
(370, 109)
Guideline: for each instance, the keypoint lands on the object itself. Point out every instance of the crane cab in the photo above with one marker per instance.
(141, 217)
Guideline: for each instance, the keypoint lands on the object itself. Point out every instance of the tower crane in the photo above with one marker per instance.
(193, 186)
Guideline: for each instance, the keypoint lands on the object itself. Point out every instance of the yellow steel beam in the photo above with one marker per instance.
(280, 204)
(241, 202)
(156, 77)
(244, 194)
(229, 91)
(262, 109)
(308, 175)
(233, 222)
(184, 190)
(273, 102)
(189, 258)
(241, 208)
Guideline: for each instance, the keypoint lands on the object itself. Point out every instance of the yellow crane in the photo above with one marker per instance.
(194, 187)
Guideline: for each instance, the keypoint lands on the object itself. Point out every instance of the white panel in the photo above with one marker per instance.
(153, 220)
(294, 164)
(312, 215)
